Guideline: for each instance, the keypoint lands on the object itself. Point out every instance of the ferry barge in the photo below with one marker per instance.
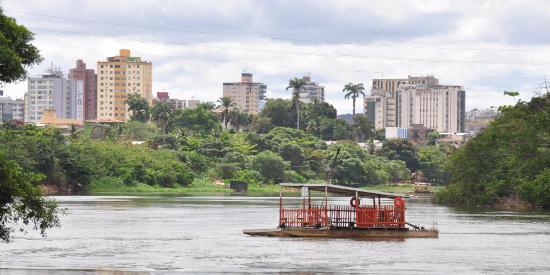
(367, 216)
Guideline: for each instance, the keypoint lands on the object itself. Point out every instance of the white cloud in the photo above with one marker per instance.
(471, 49)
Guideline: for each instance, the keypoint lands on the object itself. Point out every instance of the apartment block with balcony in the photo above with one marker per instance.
(311, 91)
(247, 94)
(53, 91)
(117, 77)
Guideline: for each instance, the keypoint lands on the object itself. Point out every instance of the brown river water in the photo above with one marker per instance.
(173, 234)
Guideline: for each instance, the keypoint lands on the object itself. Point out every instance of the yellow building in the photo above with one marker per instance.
(116, 78)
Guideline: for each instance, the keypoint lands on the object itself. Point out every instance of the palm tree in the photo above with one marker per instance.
(296, 84)
(160, 113)
(138, 106)
(353, 91)
(239, 119)
(207, 105)
(226, 103)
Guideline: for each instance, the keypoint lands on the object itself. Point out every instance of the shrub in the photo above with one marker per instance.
(270, 165)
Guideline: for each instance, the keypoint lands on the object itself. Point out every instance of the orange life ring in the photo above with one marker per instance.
(353, 203)
(398, 202)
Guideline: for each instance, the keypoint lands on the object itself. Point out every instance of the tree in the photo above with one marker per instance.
(261, 124)
(342, 130)
(280, 112)
(207, 105)
(22, 203)
(400, 149)
(16, 51)
(296, 85)
(198, 120)
(314, 113)
(161, 113)
(138, 106)
(353, 91)
(506, 160)
(270, 165)
(226, 103)
(239, 119)
(364, 128)
(512, 94)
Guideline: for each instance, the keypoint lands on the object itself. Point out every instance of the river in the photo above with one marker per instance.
(163, 234)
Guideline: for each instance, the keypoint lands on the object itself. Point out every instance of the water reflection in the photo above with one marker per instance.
(191, 233)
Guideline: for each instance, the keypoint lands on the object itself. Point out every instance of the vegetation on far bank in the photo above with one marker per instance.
(508, 161)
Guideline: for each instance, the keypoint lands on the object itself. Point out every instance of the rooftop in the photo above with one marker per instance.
(343, 190)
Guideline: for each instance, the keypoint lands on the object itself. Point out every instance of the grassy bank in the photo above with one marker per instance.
(113, 185)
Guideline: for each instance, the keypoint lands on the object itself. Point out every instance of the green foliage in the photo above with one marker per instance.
(354, 91)
(22, 203)
(138, 106)
(509, 158)
(16, 51)
(137, 130)
(355, 167)
(364, 128)
(226, 103)
(433, 162)
(400, 149)
(536, 191)
(342, 130)
(161, 113)
(45, 151)
(136, 164)
(270, 165)
(198, 121)
(293, 176)
(279, 112)
(251, 177)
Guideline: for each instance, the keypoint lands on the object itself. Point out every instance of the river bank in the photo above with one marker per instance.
(107, 185)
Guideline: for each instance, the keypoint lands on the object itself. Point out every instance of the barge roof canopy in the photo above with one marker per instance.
(343, 190)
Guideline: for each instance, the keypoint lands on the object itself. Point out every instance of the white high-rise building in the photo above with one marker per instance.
(53, 91)
(437, 107)
(381, 106)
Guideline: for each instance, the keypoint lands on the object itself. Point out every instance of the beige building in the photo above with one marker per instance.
(437, 107)
(311, 91)
(381, 106)
(249, 96)
(116, 78)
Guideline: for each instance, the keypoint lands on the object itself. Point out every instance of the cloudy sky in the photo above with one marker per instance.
(486, 46)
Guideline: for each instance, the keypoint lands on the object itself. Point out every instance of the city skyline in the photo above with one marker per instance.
(193, 54)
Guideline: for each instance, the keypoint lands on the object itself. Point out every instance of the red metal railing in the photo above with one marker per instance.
(314, 216)
(385, 216)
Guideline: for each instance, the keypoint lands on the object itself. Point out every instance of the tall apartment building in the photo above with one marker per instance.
(247, 94)
(311, 91)
(381, 106)
(11, 108)
(53, 91)
(88, 78)
(117, 77)
(438, 107)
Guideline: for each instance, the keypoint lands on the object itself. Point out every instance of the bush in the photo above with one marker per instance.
(270, 165)
(249, 176)
(292, 176)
